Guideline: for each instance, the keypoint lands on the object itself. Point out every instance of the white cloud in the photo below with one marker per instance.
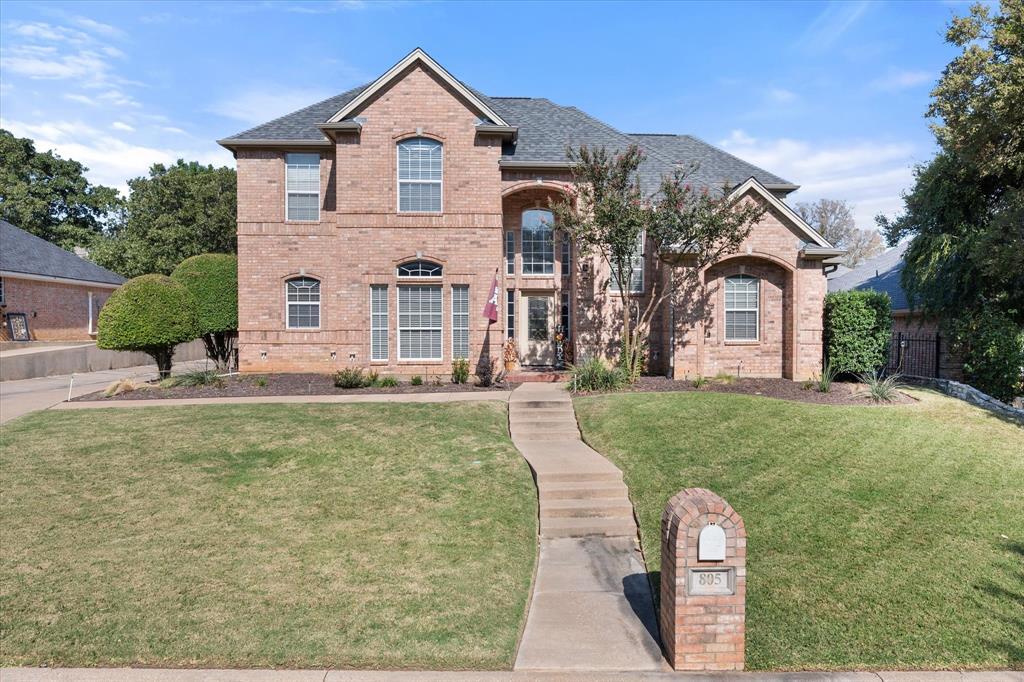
(265, 103)
(43, 62)
(120, 125)
(81, 99)
(870, 174)
(780, 95)
(830, 25)
(97, 27)
(173, 129)
(897, 79)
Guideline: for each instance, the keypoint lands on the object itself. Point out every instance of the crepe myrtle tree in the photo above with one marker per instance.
(607, 213)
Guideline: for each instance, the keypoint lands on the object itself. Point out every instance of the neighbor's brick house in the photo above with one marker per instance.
(370, 226)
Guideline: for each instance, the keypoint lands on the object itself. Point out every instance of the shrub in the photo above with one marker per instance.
(724, 378)
(417, 380)
(828, 375)
(189, 379)
(858, 325)
(152, 314)
(126, 385)
(991, 346)
(260, 382)
(212, 279)
(880, 389)
(372, 379)
(460, 371)
(485, 371)
(350, 377)
(701, 382)
(595, 375)
(388, 382)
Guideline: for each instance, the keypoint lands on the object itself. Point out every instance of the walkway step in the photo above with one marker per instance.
(539, 404)
(588, 490)
(574, 528)
(590, 508)
(547, 422)
(568, 476)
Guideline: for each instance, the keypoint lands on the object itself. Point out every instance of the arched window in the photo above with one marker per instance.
(302, 295)
(741, 307)
(419, 268)
(538, 242)
(420, 170)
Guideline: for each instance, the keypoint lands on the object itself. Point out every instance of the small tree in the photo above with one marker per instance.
(212, 279)
(858, 326)
(152, 314)
(610, 215)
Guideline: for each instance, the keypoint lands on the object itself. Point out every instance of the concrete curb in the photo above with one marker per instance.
(502, 396)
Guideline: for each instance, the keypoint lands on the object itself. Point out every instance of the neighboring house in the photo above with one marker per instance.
(51, 293)
(917, 347)
(371, 224)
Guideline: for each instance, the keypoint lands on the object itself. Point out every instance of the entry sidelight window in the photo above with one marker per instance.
(741, 308)
(538, 242)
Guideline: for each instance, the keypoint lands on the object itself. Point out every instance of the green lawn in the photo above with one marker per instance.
(878, 537)
(351, 536)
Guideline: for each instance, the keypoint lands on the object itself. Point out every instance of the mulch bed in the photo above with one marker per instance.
(245, 386)
(842, 393)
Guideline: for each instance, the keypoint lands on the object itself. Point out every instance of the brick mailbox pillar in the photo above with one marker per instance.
(703, 582)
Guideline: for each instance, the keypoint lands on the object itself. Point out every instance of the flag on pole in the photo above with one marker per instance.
(491, 309)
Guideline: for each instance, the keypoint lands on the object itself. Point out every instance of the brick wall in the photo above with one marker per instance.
(55, 311)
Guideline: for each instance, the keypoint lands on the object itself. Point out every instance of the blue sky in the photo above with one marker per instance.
(828, 95)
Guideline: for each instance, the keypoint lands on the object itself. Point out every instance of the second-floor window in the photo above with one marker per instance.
(538, 242)
(302, 180)
(420, 170)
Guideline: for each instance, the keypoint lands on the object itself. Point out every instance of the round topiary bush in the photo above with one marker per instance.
(152, 314)
(212, 279)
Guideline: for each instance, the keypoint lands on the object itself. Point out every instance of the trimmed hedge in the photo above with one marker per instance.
(991, 346)
(858, 326)
(212, 278)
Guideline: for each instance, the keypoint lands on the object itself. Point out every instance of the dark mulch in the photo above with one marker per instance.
(245, 385)
(842, 393)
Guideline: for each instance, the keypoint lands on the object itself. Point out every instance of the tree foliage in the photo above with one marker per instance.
(212, 279)
(152, 314)
(833, 219)
(992, 348)
(608, 214)
(858, 325)
(176, 212)
(50, 197)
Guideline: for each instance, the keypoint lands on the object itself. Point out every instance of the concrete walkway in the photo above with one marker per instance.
(591, 608)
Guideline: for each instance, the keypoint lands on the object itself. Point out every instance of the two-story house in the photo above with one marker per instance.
(372, 224)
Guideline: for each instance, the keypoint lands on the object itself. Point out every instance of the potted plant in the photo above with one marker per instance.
(510, 354)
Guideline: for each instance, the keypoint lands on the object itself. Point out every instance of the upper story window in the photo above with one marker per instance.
(302, 181)
(2, 300)
(303, 301)
(419, 268)
(741, 307)
(636, 274)
(420, 170)
(538, 242)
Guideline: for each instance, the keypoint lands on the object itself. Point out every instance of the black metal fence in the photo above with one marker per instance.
(915, 355)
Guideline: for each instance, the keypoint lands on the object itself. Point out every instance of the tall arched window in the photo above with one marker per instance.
(302, 297)
(741, 307)
(420, 170)
(538, 242)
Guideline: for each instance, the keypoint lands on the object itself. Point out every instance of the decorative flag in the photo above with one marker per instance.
(491, 309)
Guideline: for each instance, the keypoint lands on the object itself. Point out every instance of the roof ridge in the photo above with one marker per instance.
(733, 156)
(358, 88)
(650, 152)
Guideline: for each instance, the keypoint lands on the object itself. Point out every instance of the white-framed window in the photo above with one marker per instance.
(636, 275)
(3, 300)
(538, 242)
(420, 174)
(419, 268)
(510, 253)
(741, 308)
(460, 321)
(565, 317)
(510, 314)
(566, 255)
(419, 322)
(302, 296)
(302, 187)
(378, 322)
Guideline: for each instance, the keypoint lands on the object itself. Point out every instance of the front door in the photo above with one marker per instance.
(539, 330)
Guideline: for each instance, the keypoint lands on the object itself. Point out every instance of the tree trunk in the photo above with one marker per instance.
(163, 357)
(219, 348)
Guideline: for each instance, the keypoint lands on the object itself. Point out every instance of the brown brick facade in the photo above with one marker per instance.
(55, 311)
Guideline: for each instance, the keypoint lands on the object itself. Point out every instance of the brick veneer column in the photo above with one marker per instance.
(701, 632)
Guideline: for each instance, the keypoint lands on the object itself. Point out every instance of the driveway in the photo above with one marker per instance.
(18, 398)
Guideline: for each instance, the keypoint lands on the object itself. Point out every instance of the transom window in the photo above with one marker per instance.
(419, 268)
(419, 322)
(741, 307)
(302, 177)
(538, 242)
(420, 171)
(303, 301)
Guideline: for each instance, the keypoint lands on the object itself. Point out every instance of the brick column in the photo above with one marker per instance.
(703, 582)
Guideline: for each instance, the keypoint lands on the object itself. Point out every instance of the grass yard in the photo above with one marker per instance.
(351, 536)
(878, 537)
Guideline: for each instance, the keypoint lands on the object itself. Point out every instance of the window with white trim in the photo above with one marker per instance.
(420, 171)
(378, 322)
(510, 314)
(419, 322)
(636, 275)
(2, 299)
(566, 255)
(303, 301)
(741, 308)
(565, 319)
(510, 253)
(538, 242)
(419, 268)
(460, 321)
(302, 181)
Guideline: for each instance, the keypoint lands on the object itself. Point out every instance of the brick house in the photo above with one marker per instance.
(371, 224)
(50, 293)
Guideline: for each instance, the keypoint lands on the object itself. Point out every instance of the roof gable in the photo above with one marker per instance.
(421, 57)
(753, 185)
(26, 254)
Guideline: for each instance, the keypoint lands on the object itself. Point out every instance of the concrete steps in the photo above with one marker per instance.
(594, 507)
(583, 490)
(577, 528)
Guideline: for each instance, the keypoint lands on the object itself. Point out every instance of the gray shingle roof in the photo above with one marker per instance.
(28, 254)
(300, 125)
(881, 273)
(714, 166)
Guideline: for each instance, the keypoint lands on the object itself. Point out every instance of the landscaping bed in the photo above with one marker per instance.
(877, 538)
(254, 385)
(841, 392)
(381, 536)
